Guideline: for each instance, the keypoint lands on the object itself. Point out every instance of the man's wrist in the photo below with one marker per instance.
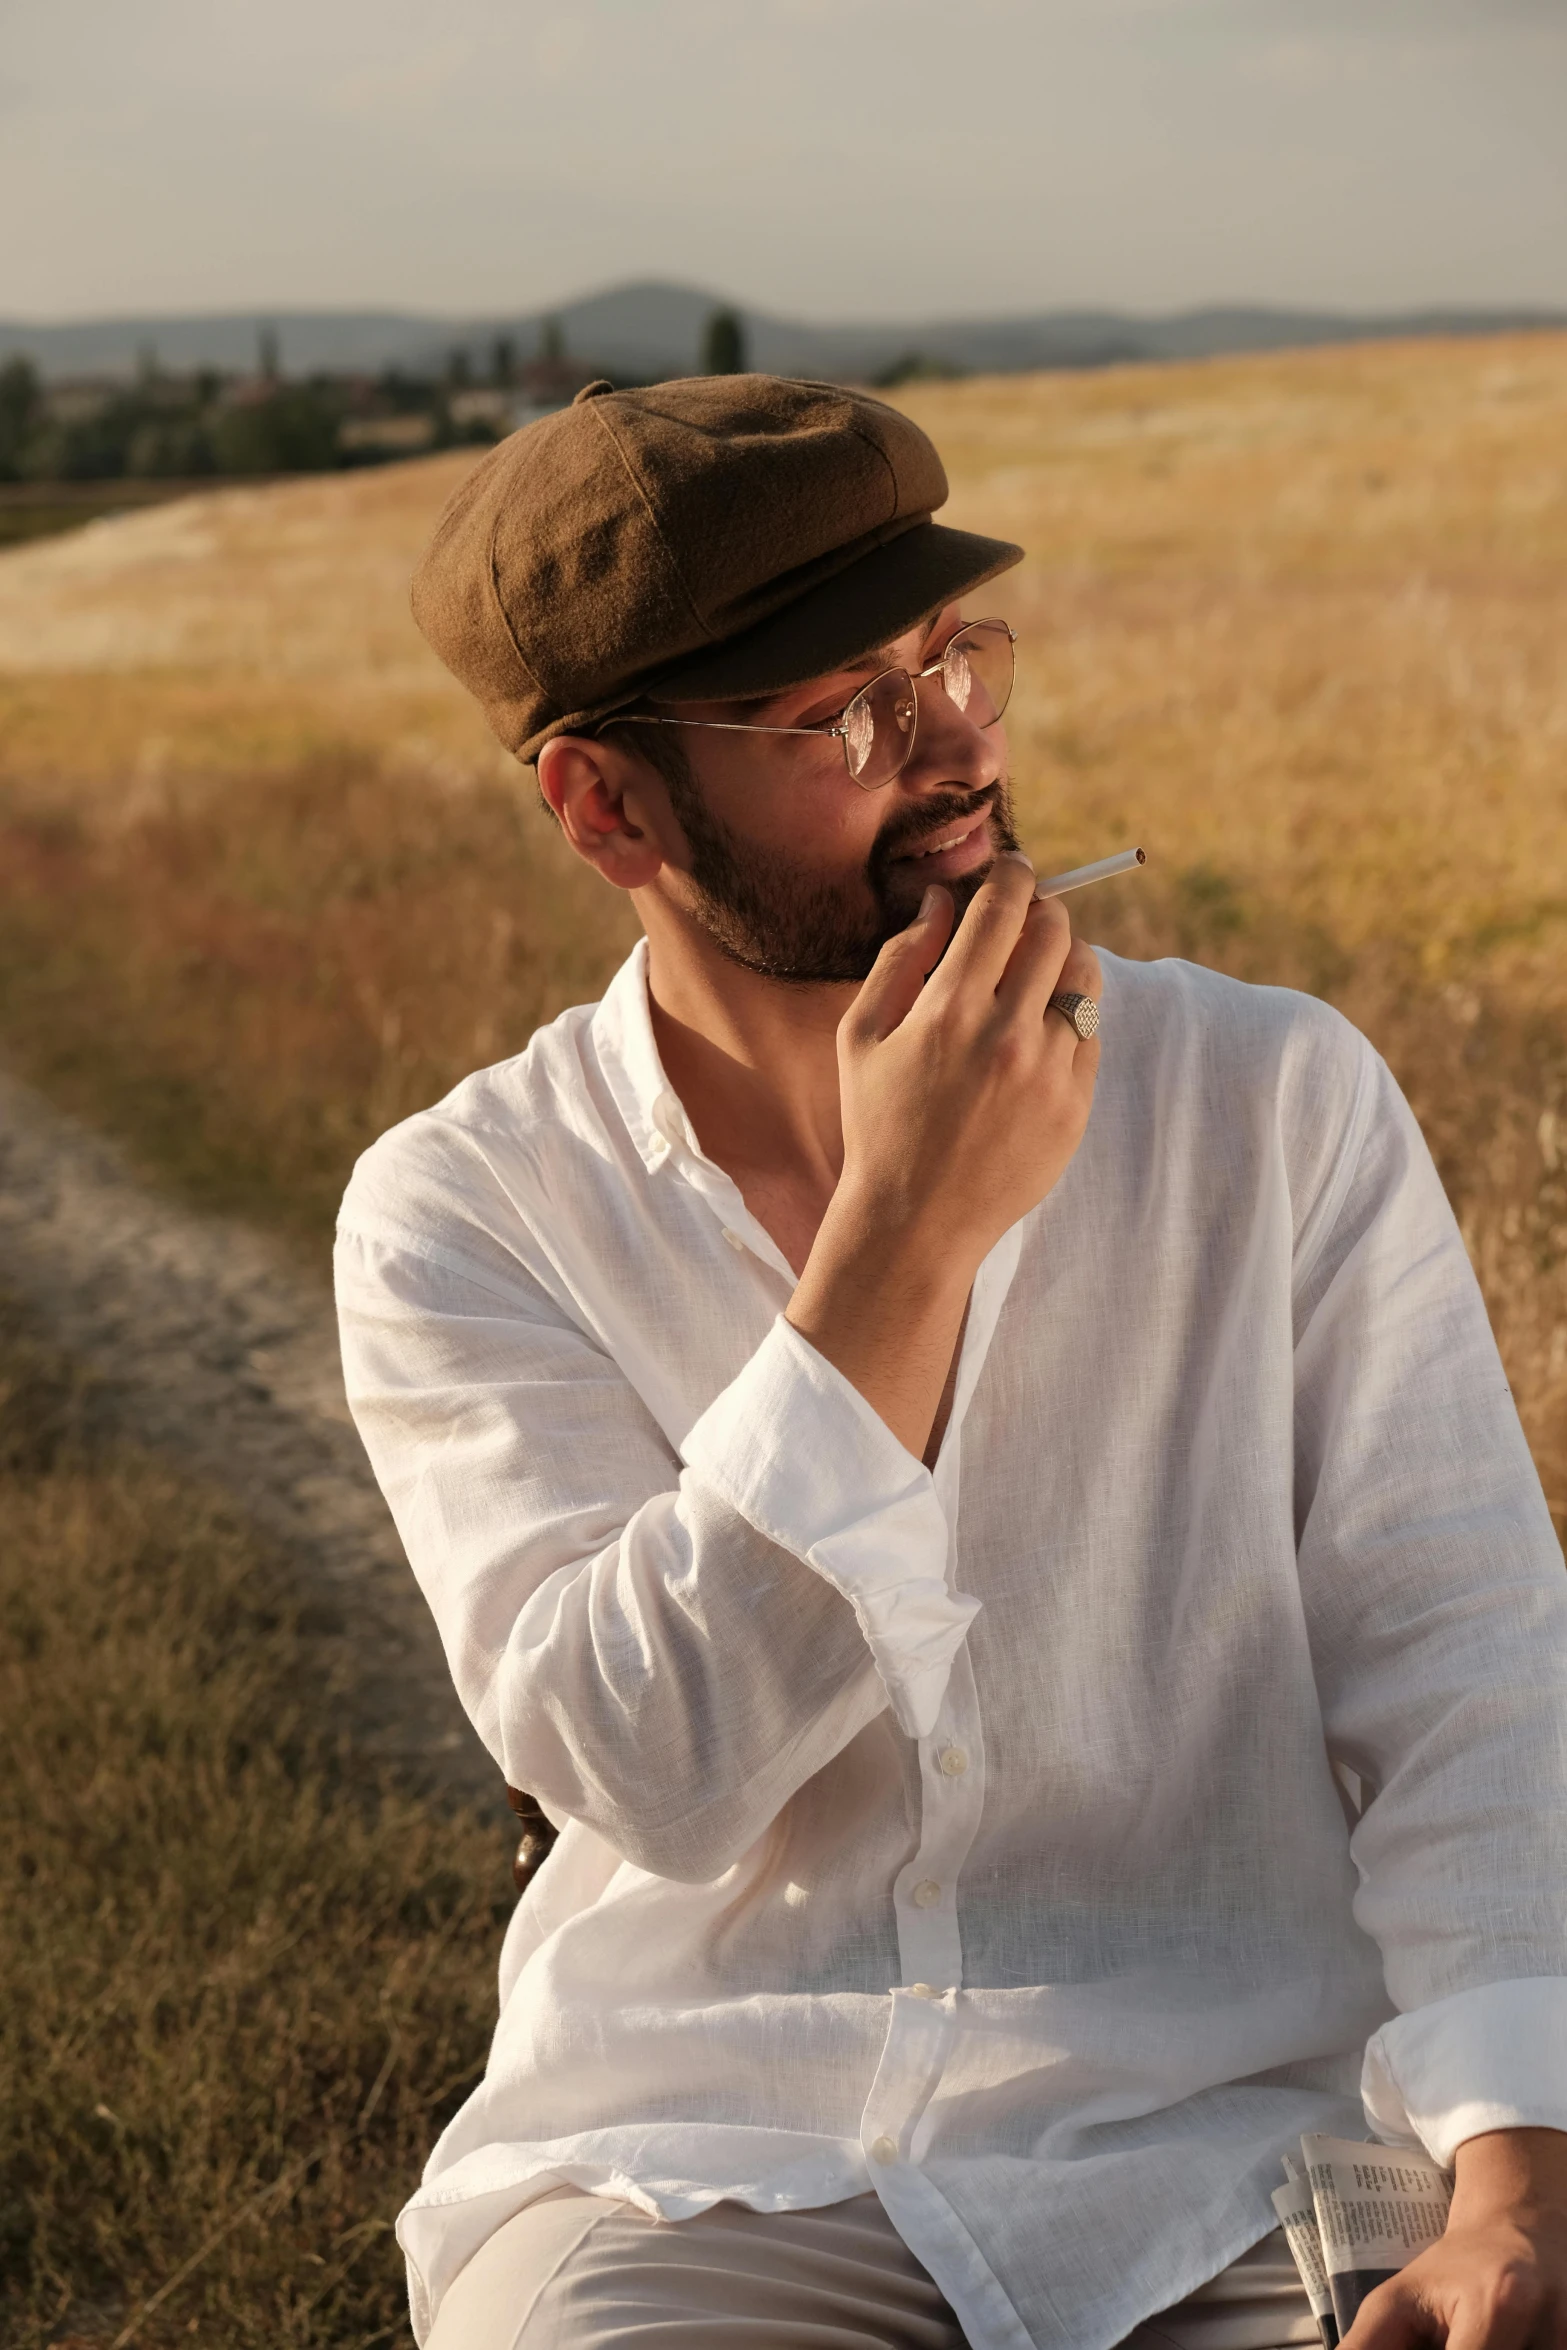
(884, 1305)
(1512, 2172)
(873, 1244)
(880, 1278)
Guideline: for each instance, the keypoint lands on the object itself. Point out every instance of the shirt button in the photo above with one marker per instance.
(926, 1893)
(922, 1991)
(885, 2149)
(733, 1238)
(954, 1762)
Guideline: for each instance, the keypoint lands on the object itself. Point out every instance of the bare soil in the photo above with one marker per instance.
(212, 1346)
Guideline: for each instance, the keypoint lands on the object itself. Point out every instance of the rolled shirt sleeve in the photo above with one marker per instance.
(1494, 2058)
(666, 1655)
(797, 1451)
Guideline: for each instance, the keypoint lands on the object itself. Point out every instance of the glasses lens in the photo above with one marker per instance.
(976, 670)
(879, 729)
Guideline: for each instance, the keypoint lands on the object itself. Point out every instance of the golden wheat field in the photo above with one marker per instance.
(1297, 623)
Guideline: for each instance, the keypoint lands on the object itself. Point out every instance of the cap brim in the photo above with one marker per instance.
(874, 600)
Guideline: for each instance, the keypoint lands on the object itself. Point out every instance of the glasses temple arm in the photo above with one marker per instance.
(723, 725)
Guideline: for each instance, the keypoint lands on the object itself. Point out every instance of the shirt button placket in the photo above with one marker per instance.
(914, 2055)
(952, 1792)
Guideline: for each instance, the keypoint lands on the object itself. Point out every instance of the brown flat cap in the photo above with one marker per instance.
(717, 536)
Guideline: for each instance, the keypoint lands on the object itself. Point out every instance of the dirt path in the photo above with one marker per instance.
(217, 1350)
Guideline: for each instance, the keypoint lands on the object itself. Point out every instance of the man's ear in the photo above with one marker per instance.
(612, 808)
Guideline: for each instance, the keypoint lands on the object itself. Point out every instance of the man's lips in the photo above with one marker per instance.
(954, 847)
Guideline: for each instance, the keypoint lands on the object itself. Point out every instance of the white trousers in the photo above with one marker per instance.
(581, 2272)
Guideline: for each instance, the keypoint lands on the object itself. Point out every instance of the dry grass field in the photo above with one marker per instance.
(1295, 622)
(237, 1997)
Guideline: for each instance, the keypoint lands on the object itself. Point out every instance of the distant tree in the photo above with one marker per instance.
(552, 339)
(88, 448)
(268, 358)
(914, 367)
(21, 408)
(403, 394)
(174, 448)
(459, 370)
(723, 344)
(295, 431)
(147, 367)
(503, 361)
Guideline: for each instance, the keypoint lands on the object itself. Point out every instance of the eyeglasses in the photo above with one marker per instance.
(877, 728)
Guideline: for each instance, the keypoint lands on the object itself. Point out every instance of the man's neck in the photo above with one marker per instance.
(754, 1061)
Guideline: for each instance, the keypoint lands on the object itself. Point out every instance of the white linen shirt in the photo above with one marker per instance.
(982, 1836)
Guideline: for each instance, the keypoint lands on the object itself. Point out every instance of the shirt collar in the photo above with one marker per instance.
(628, 1055)
(654, 1114)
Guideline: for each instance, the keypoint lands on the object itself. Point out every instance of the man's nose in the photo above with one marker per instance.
(949, 748)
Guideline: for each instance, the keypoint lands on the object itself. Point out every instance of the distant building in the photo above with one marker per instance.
(539, 386)
(551, 382)
(390, 436)
(77, 399)
(489, 404)
(248, 391)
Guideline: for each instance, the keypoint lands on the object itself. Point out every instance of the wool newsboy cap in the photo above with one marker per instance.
(715, 537)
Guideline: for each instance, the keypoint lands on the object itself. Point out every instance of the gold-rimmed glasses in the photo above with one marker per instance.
(877, 726)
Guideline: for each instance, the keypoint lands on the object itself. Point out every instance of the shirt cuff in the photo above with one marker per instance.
(1490, 2059)
(797, 1451)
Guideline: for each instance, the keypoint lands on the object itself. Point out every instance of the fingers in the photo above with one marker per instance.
(1035, 966)
(974, 963)
(1391, 2318)
(1503, 2314)
(898, 975)
(1080, 975)
(1046, 959)
(1025, 941)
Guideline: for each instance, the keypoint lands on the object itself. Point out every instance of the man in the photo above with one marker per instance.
(1038, 1628)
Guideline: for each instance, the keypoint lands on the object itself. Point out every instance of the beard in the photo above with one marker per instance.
(780, 918)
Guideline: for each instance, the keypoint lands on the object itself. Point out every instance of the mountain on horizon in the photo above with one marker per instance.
(651, 329)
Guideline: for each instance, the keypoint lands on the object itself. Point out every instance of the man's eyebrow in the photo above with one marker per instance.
(885, 656)
(868, 664)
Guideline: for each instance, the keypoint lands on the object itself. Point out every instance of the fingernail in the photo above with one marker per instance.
(929, 902)
(1019, 857)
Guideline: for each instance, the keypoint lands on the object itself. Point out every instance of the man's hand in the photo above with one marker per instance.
(1497, 2279)
(964, 1097)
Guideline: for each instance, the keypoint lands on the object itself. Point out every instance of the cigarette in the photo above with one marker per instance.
(1127, 861)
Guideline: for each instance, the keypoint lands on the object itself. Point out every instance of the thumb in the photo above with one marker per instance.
(900, 971)
(1391, 2318)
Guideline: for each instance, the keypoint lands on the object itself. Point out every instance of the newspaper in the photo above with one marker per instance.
(1298, 2218)
(1357, 2216)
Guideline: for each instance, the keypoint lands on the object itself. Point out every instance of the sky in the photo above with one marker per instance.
(827, 159)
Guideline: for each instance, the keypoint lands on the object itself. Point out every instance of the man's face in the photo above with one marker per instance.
(796, 872)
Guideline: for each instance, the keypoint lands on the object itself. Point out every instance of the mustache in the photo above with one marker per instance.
(942, 809)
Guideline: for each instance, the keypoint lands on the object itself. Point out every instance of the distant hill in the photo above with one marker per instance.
(651, 329)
